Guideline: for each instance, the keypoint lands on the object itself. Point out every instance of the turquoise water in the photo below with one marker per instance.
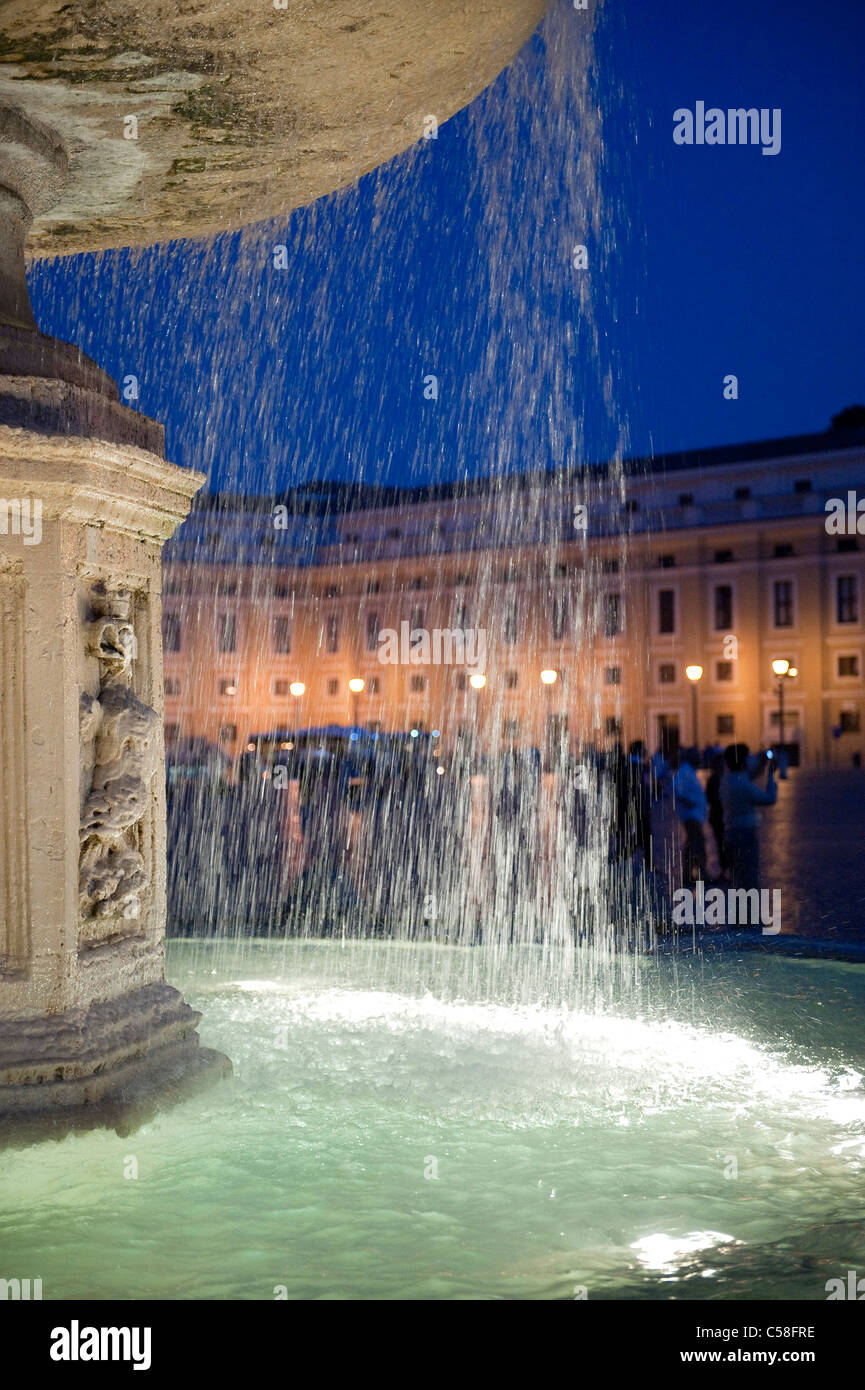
(391, 1134)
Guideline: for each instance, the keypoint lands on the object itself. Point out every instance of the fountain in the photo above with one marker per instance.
(468, 1065)
(90, 1033)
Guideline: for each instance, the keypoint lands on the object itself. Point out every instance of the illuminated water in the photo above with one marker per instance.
(571, 1148)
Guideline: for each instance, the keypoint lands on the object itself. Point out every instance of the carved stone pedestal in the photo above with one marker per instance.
(90, 1033)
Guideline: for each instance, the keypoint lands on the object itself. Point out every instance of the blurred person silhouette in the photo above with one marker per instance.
(741, 799)
(691, 808)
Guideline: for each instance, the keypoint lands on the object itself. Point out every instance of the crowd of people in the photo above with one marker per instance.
(729, 803)
(502, 839)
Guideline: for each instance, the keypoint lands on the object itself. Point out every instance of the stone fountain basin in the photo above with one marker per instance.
(690, 1129)
(183, 118)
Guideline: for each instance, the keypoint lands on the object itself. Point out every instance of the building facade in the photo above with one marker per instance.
(449, 603)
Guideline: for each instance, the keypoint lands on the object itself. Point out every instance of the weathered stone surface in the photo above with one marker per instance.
(244, 110)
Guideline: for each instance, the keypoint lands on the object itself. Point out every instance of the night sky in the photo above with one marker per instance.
(455, 259)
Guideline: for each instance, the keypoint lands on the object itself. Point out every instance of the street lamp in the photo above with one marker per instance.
(477, 681)
(783, 671)
(355, 685)
(549, 677)
(296, 689)
(694, 674)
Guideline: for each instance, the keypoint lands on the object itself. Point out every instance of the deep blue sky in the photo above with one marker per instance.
(455, 259)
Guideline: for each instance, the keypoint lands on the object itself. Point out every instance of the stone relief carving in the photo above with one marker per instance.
(119, 746)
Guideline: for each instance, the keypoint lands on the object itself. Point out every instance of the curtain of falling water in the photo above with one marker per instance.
(505, 861)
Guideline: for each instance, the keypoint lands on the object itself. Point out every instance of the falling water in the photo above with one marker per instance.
(465, 1066)
(502, 854)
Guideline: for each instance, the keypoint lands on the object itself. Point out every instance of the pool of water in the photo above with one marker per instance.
(393, 1132)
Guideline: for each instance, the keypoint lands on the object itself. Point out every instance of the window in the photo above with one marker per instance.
(332, 633)
(846, 544)
(783, 602)
(666, 610)
(373, 685)
(612, 675)
(372, 630)
(416, 619)
(462, 581)
(686, 499)
(667, 562)
(510, 623)
(418, 582)
(511, 680)
(723, 607)
(782, 551)
(171, 632)
(280, 688)
(229, 686)
(725, 724)
(802, 485)
(333, 686)
(393, 533)
(373, 586)
(171, 733)
(281, 635)
(612, 615)
(631, 506)
(227, 733)
(847, 666)
(666, 673)
(723, 670)
(742, 494)
(610, 567)
(850, 722)
(560, 617)
(417, 684)
(461, 617)
(227, 632)
(462, 680)
(723, 557)
(511, 728)
(172, 685)
(846, 599)
(612, 725)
